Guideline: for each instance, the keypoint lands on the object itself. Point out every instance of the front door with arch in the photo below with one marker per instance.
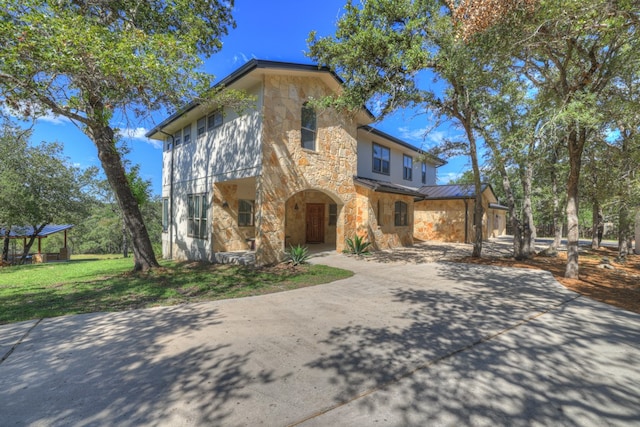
(315, 222)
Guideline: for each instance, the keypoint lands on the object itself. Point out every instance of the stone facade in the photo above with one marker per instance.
(445, 220)
(376, 221)
(288, 169)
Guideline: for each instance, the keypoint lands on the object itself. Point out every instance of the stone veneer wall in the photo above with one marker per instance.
(227, 236)
(442, 220)
(296, 223)
(376, 217)
(288, 169)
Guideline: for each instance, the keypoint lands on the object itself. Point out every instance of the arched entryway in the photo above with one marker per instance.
(312, 220)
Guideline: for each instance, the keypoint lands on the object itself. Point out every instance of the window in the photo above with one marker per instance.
(186, 134)
(381, 159)
(308, 128)
(401, 214)
(177, 138)
(168, 143)
(245, 213)
(165, 214)
(197, 215)
(424, 173)
(407, 167)
(201, 127)
(333, 214)
(214, 120)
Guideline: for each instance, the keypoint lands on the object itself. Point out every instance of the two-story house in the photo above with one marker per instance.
(285, 173)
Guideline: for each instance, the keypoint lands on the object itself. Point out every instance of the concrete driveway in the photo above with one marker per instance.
(397, 344)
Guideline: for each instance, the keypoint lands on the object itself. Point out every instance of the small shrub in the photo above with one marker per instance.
(357, 246)
(298, 254)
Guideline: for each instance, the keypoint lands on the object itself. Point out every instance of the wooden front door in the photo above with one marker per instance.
(315, 223)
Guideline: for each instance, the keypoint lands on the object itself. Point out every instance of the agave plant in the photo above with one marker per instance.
(297, 254)
(357, 245)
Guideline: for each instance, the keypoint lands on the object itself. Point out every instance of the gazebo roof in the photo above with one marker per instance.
(28, 231)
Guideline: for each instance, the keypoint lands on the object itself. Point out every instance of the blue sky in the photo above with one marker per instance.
(273, 30)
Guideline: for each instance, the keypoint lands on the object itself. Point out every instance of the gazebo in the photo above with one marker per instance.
(27, 232)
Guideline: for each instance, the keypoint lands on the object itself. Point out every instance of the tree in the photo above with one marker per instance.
(98, 62)
(383, 47)
(571, 52)
(37, 185)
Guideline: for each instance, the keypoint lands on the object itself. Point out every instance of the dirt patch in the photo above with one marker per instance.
(601, 278)
(618, 285)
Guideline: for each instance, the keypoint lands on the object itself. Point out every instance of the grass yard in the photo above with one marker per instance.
(91, 284)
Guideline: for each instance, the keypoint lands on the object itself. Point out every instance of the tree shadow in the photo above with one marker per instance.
(142, 367)
(481, 352)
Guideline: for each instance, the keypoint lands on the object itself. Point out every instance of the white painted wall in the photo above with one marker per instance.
(365, 164)
(230, 151)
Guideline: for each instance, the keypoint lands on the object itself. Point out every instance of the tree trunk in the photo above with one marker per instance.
(557, 220)
(125, 248)
(508, 191)
(103, 137)
(598, 226)
(529, 231)
(32, 238)
(575, 144)
(5, 246)
(478, 210)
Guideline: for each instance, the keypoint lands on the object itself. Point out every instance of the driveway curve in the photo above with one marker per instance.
(397, 344)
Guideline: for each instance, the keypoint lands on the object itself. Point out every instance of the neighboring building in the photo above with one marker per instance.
(285, 174)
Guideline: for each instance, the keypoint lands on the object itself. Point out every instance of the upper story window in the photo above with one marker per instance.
(400, 214)
(197, 215)
(168, 143)
(201, 128)
(245, 213)
(424, 173)
(308, 128)
(186, 134)
(407, 167)
(177, 138)
(214, 119)
(381, 159)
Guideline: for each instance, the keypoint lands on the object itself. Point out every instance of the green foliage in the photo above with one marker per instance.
(297, 254)
(357, 245)
(90, 285)
(37, 184)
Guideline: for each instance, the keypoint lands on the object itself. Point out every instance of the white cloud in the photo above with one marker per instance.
(54, 119)
(448, 177)
(138, 134)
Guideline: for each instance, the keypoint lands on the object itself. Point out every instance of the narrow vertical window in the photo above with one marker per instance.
(186, 134)
(407, 167)
(245, 213)
(201, 128)
(177, 138)
(400, 214)
(214, 120)
(197, 215)
(333, 214)
(308, 128)
(381, 159)
(165, 214)
(424, 173)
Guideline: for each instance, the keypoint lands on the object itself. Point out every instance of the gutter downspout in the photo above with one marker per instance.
(171, 225)
(466, 221)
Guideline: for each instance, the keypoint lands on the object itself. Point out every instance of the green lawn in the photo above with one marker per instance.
(93, 283)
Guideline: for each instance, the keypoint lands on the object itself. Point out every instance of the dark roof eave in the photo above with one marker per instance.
(241, 72)
(440, 162)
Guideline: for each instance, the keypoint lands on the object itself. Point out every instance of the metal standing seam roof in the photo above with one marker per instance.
(27, 231)
(387, 187)
(451, 191)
